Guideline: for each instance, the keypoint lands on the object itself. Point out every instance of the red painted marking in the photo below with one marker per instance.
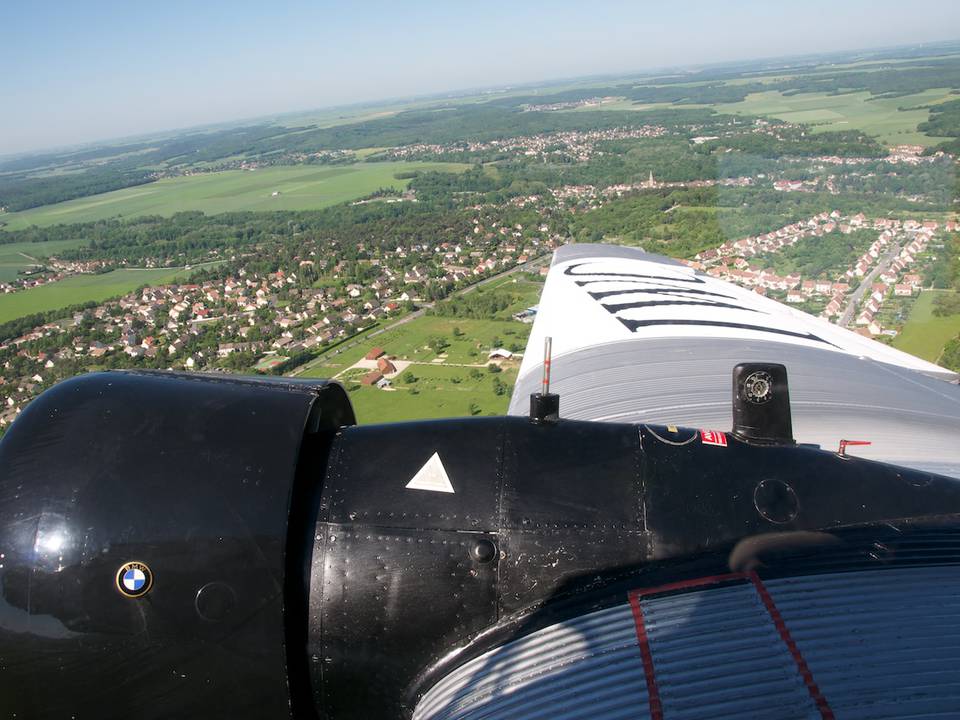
(713, 437)
(845, 443)
(656, 706)
(825, 712)
(653, 693)
(687, 584)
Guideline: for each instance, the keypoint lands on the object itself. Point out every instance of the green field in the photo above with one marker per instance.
(437, 396)
(924, 334)
(81, 289)
(436, 393)
(301, 187)
(879, 117)
(409, 342)
(15, 257)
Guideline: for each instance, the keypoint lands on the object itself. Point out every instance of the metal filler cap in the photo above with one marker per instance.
(134, 579)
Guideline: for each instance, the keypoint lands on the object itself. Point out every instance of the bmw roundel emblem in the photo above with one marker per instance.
(134, 579)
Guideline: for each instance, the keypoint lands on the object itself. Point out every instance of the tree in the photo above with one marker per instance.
(409, 378)
(438, 344)
(475, 409)
(493, 368)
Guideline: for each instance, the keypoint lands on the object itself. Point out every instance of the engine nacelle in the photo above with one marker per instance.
(205, 546)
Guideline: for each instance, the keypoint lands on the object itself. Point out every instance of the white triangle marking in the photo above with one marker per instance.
(432, 476)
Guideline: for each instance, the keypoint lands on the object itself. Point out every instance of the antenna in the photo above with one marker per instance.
(545, 405)
(547, 354)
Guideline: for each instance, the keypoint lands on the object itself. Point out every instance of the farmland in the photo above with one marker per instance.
(16, 257)
(81, 289)
(924, 334)
(880, 117)
(891, 120)
(301, 187)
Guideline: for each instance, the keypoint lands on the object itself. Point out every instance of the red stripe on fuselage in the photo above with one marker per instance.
(825, 712)
(653, 692)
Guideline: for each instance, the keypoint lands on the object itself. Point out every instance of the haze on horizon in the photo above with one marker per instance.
(84, 73)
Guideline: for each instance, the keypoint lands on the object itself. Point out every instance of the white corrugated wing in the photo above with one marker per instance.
(641, 338)
(591, 301)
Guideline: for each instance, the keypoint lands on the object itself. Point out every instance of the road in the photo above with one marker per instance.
(364, 336)
(864, 286)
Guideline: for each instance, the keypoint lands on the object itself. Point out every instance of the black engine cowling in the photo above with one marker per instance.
(301, 566)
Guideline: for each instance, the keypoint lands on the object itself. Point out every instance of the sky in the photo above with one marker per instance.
(73, 72)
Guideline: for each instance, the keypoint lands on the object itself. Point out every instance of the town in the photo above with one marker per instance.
(892, 258)
(234, 316)
(252, 321)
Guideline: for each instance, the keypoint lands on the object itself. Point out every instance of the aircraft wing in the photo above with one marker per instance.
(642, 338)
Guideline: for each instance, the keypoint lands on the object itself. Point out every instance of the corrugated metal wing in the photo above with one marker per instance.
(673, 372)
(863, 644)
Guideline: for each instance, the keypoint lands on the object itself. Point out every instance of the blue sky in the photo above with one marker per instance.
(79, 71)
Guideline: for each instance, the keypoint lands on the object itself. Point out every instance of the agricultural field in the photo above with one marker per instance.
(924, 334)
(880, 117)
(80, 289)
(301, 187)
(16, 257)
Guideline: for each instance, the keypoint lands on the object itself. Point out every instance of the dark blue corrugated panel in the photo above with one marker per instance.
(880, 644)
(588, 667)
(717, 654)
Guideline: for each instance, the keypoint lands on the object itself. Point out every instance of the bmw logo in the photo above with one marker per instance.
(134, 579)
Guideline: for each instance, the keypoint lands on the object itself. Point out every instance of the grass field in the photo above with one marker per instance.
(15, 257)
(879, 117)
(409, 342)
(300, 187)
(924, 334)
(437, 395)
(80, 289)
(442, 389)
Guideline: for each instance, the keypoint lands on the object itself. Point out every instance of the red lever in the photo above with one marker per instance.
(844, 443)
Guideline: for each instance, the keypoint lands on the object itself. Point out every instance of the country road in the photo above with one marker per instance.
(363, 336)
(862, 288)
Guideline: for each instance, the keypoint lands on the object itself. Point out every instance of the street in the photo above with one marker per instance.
(864, 286)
